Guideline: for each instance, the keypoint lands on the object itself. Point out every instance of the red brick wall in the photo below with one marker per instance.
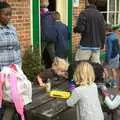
(21, 20)
(76, 37)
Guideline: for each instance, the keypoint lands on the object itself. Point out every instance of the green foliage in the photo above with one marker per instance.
(31, 63)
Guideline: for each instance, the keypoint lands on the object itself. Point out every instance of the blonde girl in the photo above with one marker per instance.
(85, 96)
(84, 74)
(59, 68)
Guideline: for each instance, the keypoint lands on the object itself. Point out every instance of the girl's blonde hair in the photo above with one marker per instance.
(59, 62)
(84, 74)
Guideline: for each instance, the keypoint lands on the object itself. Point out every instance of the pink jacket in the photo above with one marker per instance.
(16, 97)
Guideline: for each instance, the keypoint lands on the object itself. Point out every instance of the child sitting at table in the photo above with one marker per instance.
(85, 96)
(112, 102)
(108, 101)
(59, 68)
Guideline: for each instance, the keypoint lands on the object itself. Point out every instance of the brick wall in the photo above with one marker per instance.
(76, 37)
(21, 20)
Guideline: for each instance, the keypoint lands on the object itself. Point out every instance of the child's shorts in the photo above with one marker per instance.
(114, 63)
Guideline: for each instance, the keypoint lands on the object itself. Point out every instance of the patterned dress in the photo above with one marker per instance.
(86, 101)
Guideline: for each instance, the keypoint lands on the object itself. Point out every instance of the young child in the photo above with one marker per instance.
(107, 99)
(71, 70)
(98, 69)
(99, 72)
(59, 68)
(85, 96)
(112, 53)
(63, 36)
(112, 103)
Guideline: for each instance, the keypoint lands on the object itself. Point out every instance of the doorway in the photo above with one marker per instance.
(102, 6)
(52, 5)
(62, 8)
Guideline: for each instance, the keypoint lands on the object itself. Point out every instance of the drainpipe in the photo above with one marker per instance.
(35, 24)
(70, 7)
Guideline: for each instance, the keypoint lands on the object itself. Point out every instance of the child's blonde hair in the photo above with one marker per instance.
(84, 74)
(59, 62)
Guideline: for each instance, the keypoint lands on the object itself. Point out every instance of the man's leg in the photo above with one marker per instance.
(82, 55)
(51, 50)
(49, 54)
(95, 56)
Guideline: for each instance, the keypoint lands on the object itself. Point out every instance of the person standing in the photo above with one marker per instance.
(48, 34)
(112, 49)
(62, 38)
(9, 46)
(9, 43)
(90, 25)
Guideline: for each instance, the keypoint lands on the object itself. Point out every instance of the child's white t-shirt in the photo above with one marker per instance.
(112, 104)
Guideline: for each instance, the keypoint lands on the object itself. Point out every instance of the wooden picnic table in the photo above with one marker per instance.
(44, 107)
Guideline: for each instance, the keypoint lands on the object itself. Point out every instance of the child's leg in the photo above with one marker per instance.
(106, 73)
(115, 77)
(118, 76)
(114, 73)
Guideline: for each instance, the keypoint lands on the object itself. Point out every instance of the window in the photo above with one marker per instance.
(110, 10)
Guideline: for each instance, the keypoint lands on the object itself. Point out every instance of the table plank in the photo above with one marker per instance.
(41, 97)
(49, 111)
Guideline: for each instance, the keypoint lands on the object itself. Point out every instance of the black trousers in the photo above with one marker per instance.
(48, 55)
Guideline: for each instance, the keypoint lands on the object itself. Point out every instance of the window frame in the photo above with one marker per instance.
(116, 19)
(115, 12)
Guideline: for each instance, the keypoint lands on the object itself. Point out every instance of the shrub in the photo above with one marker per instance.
(31, 63)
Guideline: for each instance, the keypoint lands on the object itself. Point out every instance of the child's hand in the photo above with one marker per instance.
(40, 82)
(65, 75)
(105, 93)
(104, 90)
